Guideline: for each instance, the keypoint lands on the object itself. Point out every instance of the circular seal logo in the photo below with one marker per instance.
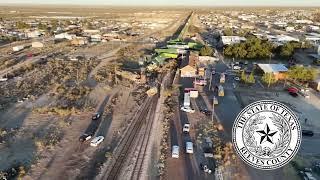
(266, 135)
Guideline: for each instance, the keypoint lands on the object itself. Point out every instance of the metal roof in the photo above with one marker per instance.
(273, 68)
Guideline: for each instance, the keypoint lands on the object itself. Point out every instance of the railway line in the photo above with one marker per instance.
(143, 143)
(123, 150)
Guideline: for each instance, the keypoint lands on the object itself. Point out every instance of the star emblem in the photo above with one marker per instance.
(266, 134)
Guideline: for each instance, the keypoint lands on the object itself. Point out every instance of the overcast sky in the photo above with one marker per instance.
(174, 2)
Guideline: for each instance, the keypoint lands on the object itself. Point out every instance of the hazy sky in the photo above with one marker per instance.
(174, 2)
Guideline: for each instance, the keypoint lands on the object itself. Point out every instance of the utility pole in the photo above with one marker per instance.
(77, 76)
(115, 74)
(210, 81)
(270, 73)
(212, 114)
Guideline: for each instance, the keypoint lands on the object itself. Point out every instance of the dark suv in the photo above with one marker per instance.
(206, 112)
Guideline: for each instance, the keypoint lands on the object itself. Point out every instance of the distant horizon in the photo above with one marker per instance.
(154, 6)
(166, 3)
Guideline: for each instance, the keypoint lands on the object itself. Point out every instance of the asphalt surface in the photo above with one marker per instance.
(227, 111)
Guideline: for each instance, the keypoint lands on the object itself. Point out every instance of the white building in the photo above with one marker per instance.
(313, 38)
(290, 29)
(303, 21)
(95, 38)
(232, 39)
(281, 38)
(91, 31)
(65, 36)
(280, 24)
(33, 34)
(37, 44)
(313, 28)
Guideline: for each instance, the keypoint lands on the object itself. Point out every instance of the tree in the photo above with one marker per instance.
(22, 25)
(68, 22)
(54, 24)
(268, 78)
(252, 48)
(303, 74)
(286, 50)
(42, 26)
(228, 51)
(306, 44)
(89, 26)
(251, 78)
(243, 76)
(206, 51)
(316, 17)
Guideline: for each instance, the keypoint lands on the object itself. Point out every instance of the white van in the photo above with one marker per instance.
(96, 141)
(189, 147)
(175, 151)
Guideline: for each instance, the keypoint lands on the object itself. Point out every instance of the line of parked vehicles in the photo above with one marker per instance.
(87, 136)
(189, 144)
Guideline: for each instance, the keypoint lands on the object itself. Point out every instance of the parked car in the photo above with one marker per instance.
(175, 151)
(96, 116)
(189, 147)
(187, 109)
(85, 137)
(96, 141)
(293, 94)
(205, 168)
(186, 128)
(292, 89)
(307, 133)
(237, 78)
(206, 112)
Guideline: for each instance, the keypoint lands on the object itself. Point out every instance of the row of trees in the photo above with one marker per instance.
(295, 73)
(250, 49)
(255, 48)
(302, 74)
(52, 26)
(287, 50)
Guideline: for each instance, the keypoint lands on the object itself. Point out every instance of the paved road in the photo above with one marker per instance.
(227, 110)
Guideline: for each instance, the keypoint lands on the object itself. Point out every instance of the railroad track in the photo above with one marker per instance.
(128, 141)
(143, 142)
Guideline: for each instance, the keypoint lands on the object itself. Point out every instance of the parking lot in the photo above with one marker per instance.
(305, 108)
